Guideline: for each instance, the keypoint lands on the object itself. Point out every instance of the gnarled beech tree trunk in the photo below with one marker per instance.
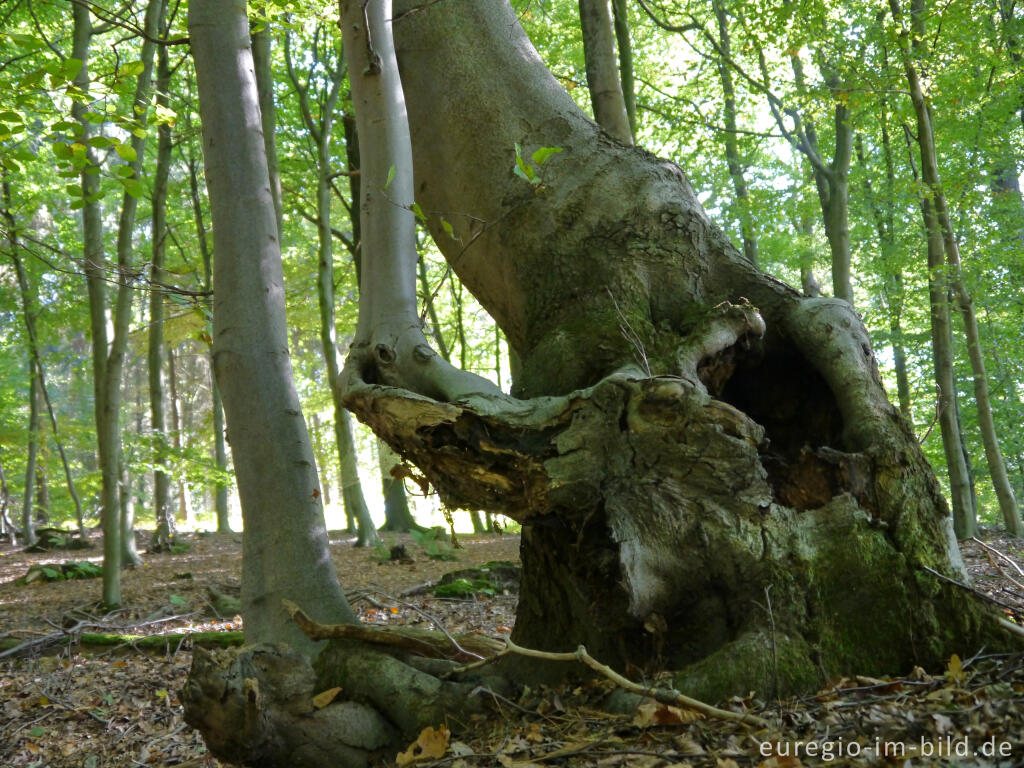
(697, 436)
(696, 432)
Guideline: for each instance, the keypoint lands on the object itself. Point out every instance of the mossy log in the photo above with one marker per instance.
(86, 640)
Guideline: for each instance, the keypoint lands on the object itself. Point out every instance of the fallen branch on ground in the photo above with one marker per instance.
(421, 642)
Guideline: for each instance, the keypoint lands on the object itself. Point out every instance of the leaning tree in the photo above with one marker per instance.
(707, 470)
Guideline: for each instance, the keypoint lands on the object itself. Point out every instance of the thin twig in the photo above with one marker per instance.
(993, 550)
(658, 694)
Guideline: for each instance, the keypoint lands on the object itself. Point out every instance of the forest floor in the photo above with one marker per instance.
(70, 706)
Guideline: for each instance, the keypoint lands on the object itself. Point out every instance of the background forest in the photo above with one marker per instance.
(795, 120)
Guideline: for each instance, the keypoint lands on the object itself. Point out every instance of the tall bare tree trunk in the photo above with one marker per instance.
(946, 239)
(220, 455)
(161, 482)
(603, 75)
(273, 458)
(732, 151)
(620, 10)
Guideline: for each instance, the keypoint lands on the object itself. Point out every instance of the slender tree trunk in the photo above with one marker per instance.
(261, 59)
(220, 454)
(129, 551)
(41, 483)
(831, 179)
(397, 515)
(95, 263)
(321, 129)
(28, 302)
(273, 459)
(161, 482)
(620, 9)
(961, 496)
(882, 212)
(945, 238)
(28, 518)
(732, 151)
(6, 527)
(185, 511)
(603, 76)
(108, 363)
(428, 300)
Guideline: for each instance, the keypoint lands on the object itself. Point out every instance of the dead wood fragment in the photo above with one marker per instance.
(421, 642)
(658, 694)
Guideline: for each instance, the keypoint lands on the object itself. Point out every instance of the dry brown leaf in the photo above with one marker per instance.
(726, 763)
(533, 733)
(324, 698)
(687, 746)
(655, 713)
(431, 744)
(955, 674)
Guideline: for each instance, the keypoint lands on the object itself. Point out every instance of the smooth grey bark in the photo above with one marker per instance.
(945, 237)
(321, 128)
(604, 79)
(261, 59)
(129, 551)
(28, 517)
(161, 482)
(624, 45)
(220, 456)
(732, 151)
(186, 513)
(273, 459)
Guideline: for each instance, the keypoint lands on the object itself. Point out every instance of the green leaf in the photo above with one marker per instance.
(127, 152)
(447, 227)
(94, 117)
(132, 187)
(132, 68)
(415, 208)
(7, 116)
(74, 190)
(99, 142)
(70, 68)
(390, 178)
(62, 151)
(178, 600)
(76, 204)
(32, 78)
(542, 154)
(27, 42)
(125, 171)
(36, 732)
(164, 116)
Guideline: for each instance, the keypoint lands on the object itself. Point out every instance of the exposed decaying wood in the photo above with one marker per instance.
(255, 707)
